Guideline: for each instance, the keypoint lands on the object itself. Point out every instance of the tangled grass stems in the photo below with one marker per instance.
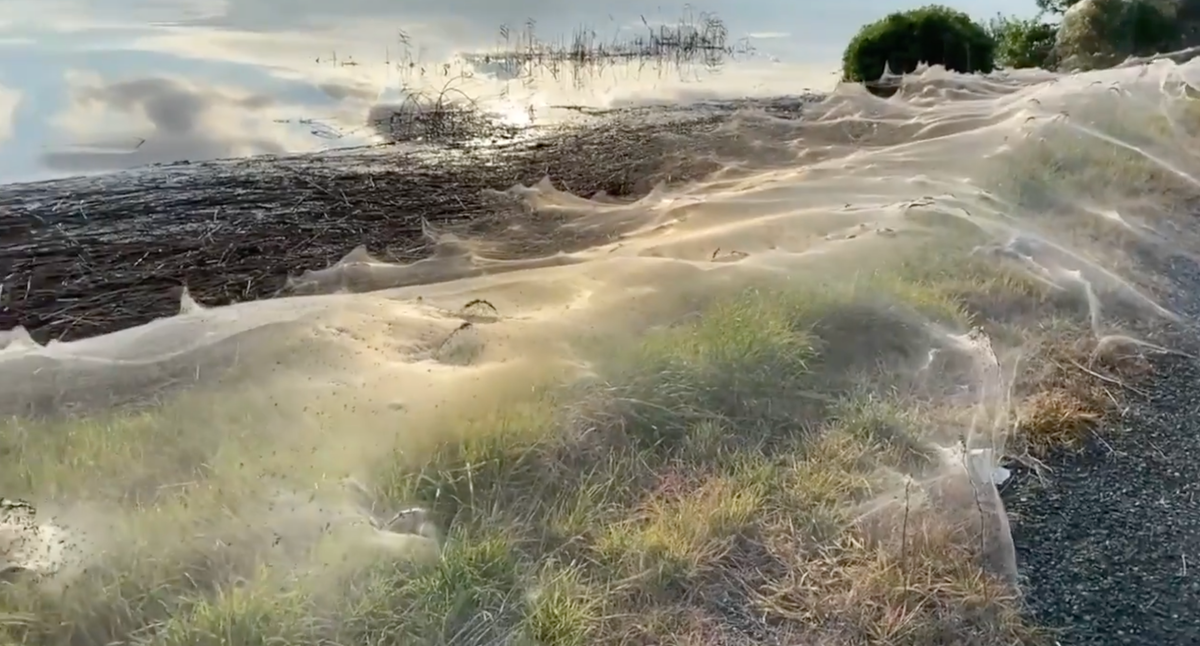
(734, 474)
(781, 467)
(446, 115)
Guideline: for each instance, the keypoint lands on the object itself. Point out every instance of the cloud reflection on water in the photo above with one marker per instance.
(110, 84)
(127, 123)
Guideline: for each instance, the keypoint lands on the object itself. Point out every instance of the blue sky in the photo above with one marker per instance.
(89, 86)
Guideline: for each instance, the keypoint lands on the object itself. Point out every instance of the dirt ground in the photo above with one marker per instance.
(86, 256)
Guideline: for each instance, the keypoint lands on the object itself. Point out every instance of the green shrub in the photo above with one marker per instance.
(1101, 33)
(1056, 6)
(933, 34)
(1023, 43)
(1151, 27)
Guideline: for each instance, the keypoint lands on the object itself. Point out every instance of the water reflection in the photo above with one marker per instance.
(123, 123)
(110, 84)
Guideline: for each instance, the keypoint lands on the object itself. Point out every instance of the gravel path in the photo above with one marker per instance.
(1109, 543)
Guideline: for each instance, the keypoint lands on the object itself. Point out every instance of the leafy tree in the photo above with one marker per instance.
(1023, 43)
(1056, 6)
(933, 34)
(1099, 33)
(1151, 27)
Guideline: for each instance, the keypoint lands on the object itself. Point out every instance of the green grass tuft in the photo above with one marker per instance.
(734, 472)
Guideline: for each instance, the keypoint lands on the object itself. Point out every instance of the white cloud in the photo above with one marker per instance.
(76, 15)
(295, 55)
(765, 35)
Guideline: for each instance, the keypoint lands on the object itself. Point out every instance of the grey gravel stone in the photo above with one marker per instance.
(1108, 545)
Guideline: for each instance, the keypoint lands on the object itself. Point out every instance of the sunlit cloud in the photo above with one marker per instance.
(312, 56)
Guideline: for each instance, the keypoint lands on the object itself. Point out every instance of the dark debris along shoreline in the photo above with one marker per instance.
(85, 256)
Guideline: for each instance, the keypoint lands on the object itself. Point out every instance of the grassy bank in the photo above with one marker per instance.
(781, 461)
(784, 464)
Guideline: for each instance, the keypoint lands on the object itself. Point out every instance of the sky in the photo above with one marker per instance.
(91, 86)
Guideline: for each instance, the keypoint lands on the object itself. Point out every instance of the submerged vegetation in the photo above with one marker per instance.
(694, 39)
(447, 114)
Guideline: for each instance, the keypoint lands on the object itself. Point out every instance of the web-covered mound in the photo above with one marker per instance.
(799, 375)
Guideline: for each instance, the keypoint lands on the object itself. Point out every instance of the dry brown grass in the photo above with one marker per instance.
(719, 482)
(778, 469)
(1071, 389)
(1054, 420)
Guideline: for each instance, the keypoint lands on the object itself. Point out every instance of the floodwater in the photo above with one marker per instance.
(94, 86)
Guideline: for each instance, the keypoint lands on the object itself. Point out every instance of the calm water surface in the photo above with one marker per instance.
(91, 86)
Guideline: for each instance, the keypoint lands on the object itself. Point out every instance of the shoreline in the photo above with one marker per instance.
(94, 254)
(1084, 558)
